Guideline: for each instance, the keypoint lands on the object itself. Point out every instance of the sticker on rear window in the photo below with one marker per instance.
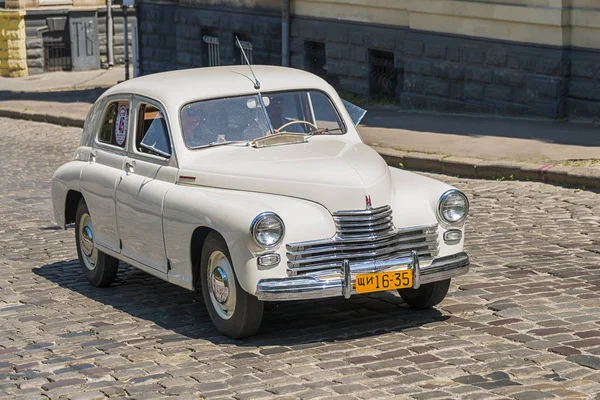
(121, 127)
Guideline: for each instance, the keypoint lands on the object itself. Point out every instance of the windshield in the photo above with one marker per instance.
(242, 119)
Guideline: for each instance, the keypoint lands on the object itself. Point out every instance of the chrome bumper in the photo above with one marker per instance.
(311, 287)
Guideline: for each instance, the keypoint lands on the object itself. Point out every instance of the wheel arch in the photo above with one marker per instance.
(196, 244)
(71, 202)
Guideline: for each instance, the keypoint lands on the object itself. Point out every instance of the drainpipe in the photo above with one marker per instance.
(126, 41)
(109, 34)
(285, 33)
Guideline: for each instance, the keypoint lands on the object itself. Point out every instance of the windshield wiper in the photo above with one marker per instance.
(322, 131)
(213, 144)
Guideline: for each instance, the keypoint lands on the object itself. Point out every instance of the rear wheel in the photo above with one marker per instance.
(233, 311)
(426, 296)
(100, 269)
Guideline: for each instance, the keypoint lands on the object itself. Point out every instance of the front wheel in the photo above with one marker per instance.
(99, 268)
(426, 296)
(233, 311)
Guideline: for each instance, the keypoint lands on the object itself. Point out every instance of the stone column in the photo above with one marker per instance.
(13, 53)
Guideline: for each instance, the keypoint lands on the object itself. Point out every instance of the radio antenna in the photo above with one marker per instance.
(256, 82)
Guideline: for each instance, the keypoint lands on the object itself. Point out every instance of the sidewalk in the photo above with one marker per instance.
(468, 146)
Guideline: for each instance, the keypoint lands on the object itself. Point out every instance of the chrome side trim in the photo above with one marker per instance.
(312, 287)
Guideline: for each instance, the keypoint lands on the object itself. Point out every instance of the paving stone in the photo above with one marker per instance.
(564, 350)
(586, 361)
(87, 396)
(61, 383)
(532, 395)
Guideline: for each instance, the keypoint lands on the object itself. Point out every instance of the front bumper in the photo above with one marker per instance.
(311, 287)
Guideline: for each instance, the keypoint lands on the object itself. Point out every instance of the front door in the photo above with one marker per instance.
(99, 178)
(142, 188)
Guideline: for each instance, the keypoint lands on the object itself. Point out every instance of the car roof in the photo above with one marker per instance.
(175, 88)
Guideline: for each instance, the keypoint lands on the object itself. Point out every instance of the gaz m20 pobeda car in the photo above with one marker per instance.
(252, 190)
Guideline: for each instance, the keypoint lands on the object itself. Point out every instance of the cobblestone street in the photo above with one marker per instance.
(523, 324)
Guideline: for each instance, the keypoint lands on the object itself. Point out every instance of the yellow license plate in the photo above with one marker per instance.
(366, 283)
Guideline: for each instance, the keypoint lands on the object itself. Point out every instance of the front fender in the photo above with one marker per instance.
(230, 213)
(65, 178)
(415, 202)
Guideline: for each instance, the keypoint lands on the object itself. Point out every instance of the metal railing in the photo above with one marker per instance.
(247, 47)
(57, 55)
(383, 74)
(213, 46)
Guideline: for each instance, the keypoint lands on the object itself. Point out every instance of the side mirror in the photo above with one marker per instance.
(252, 103)
(356, 113)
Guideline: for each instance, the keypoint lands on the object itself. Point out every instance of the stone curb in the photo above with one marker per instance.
(63, 120)
(499, 170)
(456, 166)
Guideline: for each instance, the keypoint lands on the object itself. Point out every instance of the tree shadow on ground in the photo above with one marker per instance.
(569, 133)
(297, 324)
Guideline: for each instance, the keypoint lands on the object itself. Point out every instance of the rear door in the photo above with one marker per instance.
(99, 178)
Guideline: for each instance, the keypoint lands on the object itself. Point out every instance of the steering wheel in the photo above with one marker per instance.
(297, 122)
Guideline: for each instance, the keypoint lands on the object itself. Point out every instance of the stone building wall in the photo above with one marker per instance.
(171, 36)
(510, 57)
(13, 55)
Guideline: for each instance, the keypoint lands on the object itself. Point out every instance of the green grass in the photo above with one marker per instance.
(580, 163)
(362, 101)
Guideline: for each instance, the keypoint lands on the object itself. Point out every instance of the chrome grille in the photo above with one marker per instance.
(362, 236)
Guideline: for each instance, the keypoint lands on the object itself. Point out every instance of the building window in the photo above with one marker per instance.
(383, 76)
(57, 51)
(212, 55)
(315, 60)
(246, 42)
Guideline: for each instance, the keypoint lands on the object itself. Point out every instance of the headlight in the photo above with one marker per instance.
(267, 230)
(453, 207)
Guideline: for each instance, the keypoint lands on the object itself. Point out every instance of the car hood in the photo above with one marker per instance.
(332, 172)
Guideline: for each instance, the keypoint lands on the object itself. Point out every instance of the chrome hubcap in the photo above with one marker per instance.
(221, 286)
(86, 242)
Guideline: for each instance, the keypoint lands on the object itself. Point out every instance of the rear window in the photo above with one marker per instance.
(113, 130)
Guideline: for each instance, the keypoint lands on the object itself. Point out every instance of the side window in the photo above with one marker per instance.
(325, 115)
(113, 130)
(152, 133)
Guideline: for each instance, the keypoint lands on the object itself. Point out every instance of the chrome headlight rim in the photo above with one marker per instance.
(254, 225)
(440, 216)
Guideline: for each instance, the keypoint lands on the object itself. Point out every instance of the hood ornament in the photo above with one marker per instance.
(368, 201)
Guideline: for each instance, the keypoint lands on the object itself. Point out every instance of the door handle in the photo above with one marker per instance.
(130, 166)
(93, 156)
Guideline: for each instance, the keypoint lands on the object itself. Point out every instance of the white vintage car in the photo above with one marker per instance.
(252, 191)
